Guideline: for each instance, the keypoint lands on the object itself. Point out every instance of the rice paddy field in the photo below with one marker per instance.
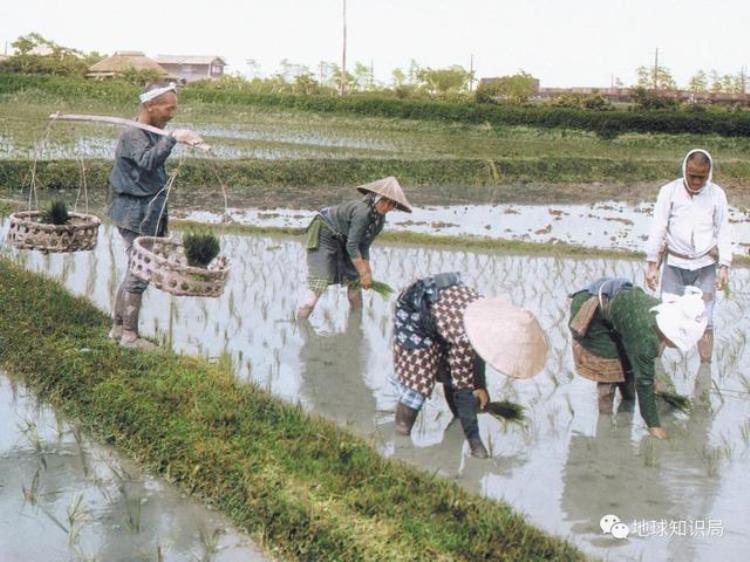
(565, 468)
(630, 166)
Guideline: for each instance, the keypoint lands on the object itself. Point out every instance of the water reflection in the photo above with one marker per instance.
(657, 488)
(64, 497)
(331, 367)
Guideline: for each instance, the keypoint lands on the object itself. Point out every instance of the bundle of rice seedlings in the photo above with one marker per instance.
(200, 248)
(383, 289)
(675, 401)
(506, 410)
(56, 213)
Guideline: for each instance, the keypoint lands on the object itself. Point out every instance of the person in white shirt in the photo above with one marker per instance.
(691, 236)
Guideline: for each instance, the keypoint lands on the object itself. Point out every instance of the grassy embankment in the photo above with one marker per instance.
(301, 486)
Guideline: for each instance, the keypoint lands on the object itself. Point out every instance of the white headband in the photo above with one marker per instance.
(152, 94)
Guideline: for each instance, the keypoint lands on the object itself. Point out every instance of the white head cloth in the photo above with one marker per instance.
(682, 319)
(153, 94)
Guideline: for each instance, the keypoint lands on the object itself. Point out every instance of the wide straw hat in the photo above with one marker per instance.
(682, 319)
(506, 336)
(388, 187)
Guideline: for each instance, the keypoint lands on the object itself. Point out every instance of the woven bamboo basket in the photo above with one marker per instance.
(27, 232)
(596, 368)
(162, 262)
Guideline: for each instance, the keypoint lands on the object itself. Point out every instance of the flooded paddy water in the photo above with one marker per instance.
(606, 225)
(66, 497)
(567, 467)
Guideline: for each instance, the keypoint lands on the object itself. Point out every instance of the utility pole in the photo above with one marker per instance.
(372, 74)
(321, 72)
(343, 58)
(471, 73)
(656, 71)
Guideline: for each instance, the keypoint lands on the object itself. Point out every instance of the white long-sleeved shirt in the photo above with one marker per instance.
(690, 226)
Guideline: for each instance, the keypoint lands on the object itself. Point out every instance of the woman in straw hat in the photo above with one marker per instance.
(443, 330)
(619, 331)
(339, 239)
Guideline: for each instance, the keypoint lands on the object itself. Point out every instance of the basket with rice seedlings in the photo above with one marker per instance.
(188, 268)
(54, 229)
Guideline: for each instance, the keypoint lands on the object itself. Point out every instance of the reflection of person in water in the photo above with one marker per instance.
(640, 480)
(443, 330)
(332, 367)
(618, 333)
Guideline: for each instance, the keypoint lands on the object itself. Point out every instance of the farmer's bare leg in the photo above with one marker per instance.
(308, 303)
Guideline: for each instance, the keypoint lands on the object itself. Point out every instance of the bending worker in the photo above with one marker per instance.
(339, 239)
(691, 231)
(138, 198)
(618, 333)
(444, 331)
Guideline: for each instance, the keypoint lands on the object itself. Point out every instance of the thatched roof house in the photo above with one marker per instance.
(122, 61)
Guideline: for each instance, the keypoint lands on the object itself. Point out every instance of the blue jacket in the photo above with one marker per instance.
(136, 181)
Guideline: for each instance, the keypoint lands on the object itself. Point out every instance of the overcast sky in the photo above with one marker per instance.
(573, 43)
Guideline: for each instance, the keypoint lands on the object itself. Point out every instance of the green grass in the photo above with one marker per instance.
(303, 487)
(8, 206)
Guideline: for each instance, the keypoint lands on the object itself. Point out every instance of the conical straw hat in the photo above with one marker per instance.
(388, 187)
(506, 336)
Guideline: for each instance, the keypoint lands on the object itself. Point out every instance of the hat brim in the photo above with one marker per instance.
(399, 206)
(507, 337)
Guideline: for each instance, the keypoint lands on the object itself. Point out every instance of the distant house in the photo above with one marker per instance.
(122, 61)
(4, 57)
(192, 68)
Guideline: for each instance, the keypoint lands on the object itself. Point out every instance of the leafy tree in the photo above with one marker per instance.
(61, 61)
(594, 102)
(517, 88)
(443, 81)
(649, 101)
(698, 83)
(306, 84)
(362, 76)
(664, 79)
(398, 77)
(350, 82)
